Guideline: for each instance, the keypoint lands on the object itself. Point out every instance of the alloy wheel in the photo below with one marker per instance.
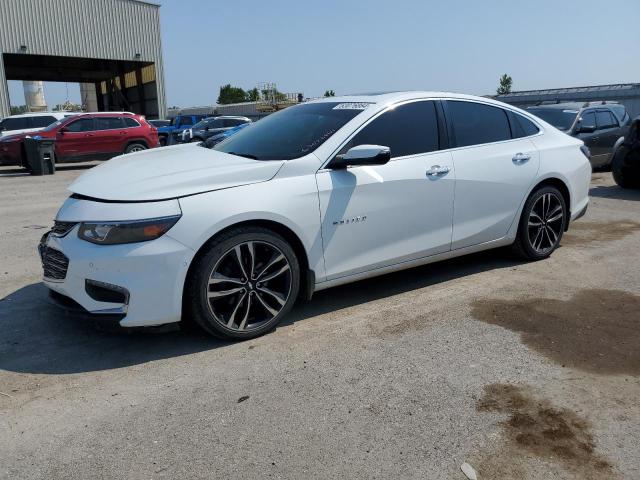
(545, 223)
(136, 148)
(249, 285)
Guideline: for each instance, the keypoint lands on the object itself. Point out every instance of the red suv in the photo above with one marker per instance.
(87, 136)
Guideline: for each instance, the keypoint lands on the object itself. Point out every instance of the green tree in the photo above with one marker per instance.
(253, 95)
(229, 94)
(506, 82)
(329, 93)
(17, 110)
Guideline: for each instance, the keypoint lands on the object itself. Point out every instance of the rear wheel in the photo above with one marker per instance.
(624, 172)
(244, 284)
(135, 147)
(542, 223)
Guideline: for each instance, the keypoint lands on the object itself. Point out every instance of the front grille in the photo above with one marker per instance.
(54, 263)
(60, 229)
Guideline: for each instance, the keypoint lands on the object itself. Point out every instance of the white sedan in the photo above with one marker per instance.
(317, 195)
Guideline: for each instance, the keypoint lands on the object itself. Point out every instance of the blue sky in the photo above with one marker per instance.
(377, 45)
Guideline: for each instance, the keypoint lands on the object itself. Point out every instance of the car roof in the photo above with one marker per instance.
(41, 114)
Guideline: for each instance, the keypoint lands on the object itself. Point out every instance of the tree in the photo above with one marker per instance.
(253, 95)
(229, 94)
(18, 110)
(329, 93)
(506, 82)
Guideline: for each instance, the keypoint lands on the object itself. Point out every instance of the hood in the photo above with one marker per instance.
(171, 172)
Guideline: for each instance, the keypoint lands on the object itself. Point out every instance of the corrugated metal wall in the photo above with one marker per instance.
(108, 29)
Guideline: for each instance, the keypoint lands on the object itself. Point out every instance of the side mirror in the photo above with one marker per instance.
(586, 129)
(362, 155)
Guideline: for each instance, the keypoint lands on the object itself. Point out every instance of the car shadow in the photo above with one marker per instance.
(614, 192)
(39, 337)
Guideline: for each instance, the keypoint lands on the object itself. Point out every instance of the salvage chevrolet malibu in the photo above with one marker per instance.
(317, 195)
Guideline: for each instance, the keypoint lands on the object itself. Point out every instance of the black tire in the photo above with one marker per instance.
(162, 141)
(247, 305)
(550, 231)
(195, 139)
(135, 147)
(625, 175)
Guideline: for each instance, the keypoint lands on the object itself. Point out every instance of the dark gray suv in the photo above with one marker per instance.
(600, 125)
(209, 127)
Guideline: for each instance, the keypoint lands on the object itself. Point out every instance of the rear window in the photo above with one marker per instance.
(560, 118)
(42, 121)
(21, 123)
(476, 123)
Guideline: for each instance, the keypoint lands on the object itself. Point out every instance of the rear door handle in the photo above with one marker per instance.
(437, 170)
(521, 157)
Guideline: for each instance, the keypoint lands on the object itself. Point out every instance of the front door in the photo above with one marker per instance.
(374, 216)
(73, 141)
(494, 172)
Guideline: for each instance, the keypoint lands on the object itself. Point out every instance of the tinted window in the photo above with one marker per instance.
(605, 119)
(289, 133)
(475, 123)
(130, 122)
(233, 122)
(41, 122)
(217, 123)
(588, 119)
(559, 118)
(15, 123)
(523, 127)
(408, 129)
(185, 121)
(108, 123)
(82, 125)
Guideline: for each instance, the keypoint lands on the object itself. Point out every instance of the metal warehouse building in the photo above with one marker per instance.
(112, 45)
(627, 94)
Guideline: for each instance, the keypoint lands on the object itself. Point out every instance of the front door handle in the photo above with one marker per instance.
(521, 157)
(437, 170)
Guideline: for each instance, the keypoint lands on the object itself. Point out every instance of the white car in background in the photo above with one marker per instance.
(317, 195)
(29, 122)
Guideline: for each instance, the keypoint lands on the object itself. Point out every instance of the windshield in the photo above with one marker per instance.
(53, 126)
(561, 119)
(290, 133)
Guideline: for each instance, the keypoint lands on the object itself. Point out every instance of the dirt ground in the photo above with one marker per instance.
(523, 370)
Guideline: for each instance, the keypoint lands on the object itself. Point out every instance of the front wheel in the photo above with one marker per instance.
(245, 283)
(625, 173)
(542, 223)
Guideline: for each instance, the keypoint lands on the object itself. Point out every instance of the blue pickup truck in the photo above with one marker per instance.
(178, 123)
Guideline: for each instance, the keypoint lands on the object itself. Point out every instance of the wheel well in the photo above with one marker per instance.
(131, 142)
(564, 190)
(307, 276)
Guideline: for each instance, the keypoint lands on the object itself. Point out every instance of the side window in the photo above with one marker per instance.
(476, 123)
(108, 123)
(407, 130)
(186, 121)
(233, 122)
(42, 121)
(81, 125)
(588, 119)
(19, 123)
(217, 123)
(604, 119)
(130, 122)
(522, 127)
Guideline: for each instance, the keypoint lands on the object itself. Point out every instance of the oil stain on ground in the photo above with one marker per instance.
(592, 232)
(535, 428)
(596, 331)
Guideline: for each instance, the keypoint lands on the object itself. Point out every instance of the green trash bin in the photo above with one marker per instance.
(41, 156)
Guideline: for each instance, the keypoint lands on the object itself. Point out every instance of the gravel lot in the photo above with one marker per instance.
(523, 370)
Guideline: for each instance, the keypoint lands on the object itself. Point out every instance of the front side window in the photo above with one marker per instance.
(604, 119)
(476, 123)
(108, 123)
(82, 125)
(588, 120)
(290, 133)
(21, 123)
(407, 129)
(42, 121)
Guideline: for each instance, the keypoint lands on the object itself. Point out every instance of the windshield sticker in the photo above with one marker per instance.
(352, 106)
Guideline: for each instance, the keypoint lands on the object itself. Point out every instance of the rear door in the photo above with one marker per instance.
(494, 170)
(608, 133)
(74, 139)
(110, 136)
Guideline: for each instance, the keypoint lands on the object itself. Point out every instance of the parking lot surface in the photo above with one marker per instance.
(523, 370)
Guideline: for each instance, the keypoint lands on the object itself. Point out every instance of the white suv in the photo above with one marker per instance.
(29, 122)
(319, 194)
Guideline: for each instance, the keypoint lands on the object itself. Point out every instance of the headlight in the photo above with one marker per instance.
(112, 233)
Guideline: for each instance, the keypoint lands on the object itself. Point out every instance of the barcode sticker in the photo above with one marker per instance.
(352, 106)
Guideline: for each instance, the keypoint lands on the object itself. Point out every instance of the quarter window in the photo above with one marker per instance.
(476, 123)
(407, 130)
(81, 125)
(604, 119)
(130, 122)
(522, 127)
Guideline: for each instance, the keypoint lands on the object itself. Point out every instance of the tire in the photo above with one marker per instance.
(625, 175)
(195, 139)
(135, 147)
(226, 297)
(541, 225)
(162, 141)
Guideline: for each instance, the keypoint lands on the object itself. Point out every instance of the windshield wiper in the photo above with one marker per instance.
(245, 155)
